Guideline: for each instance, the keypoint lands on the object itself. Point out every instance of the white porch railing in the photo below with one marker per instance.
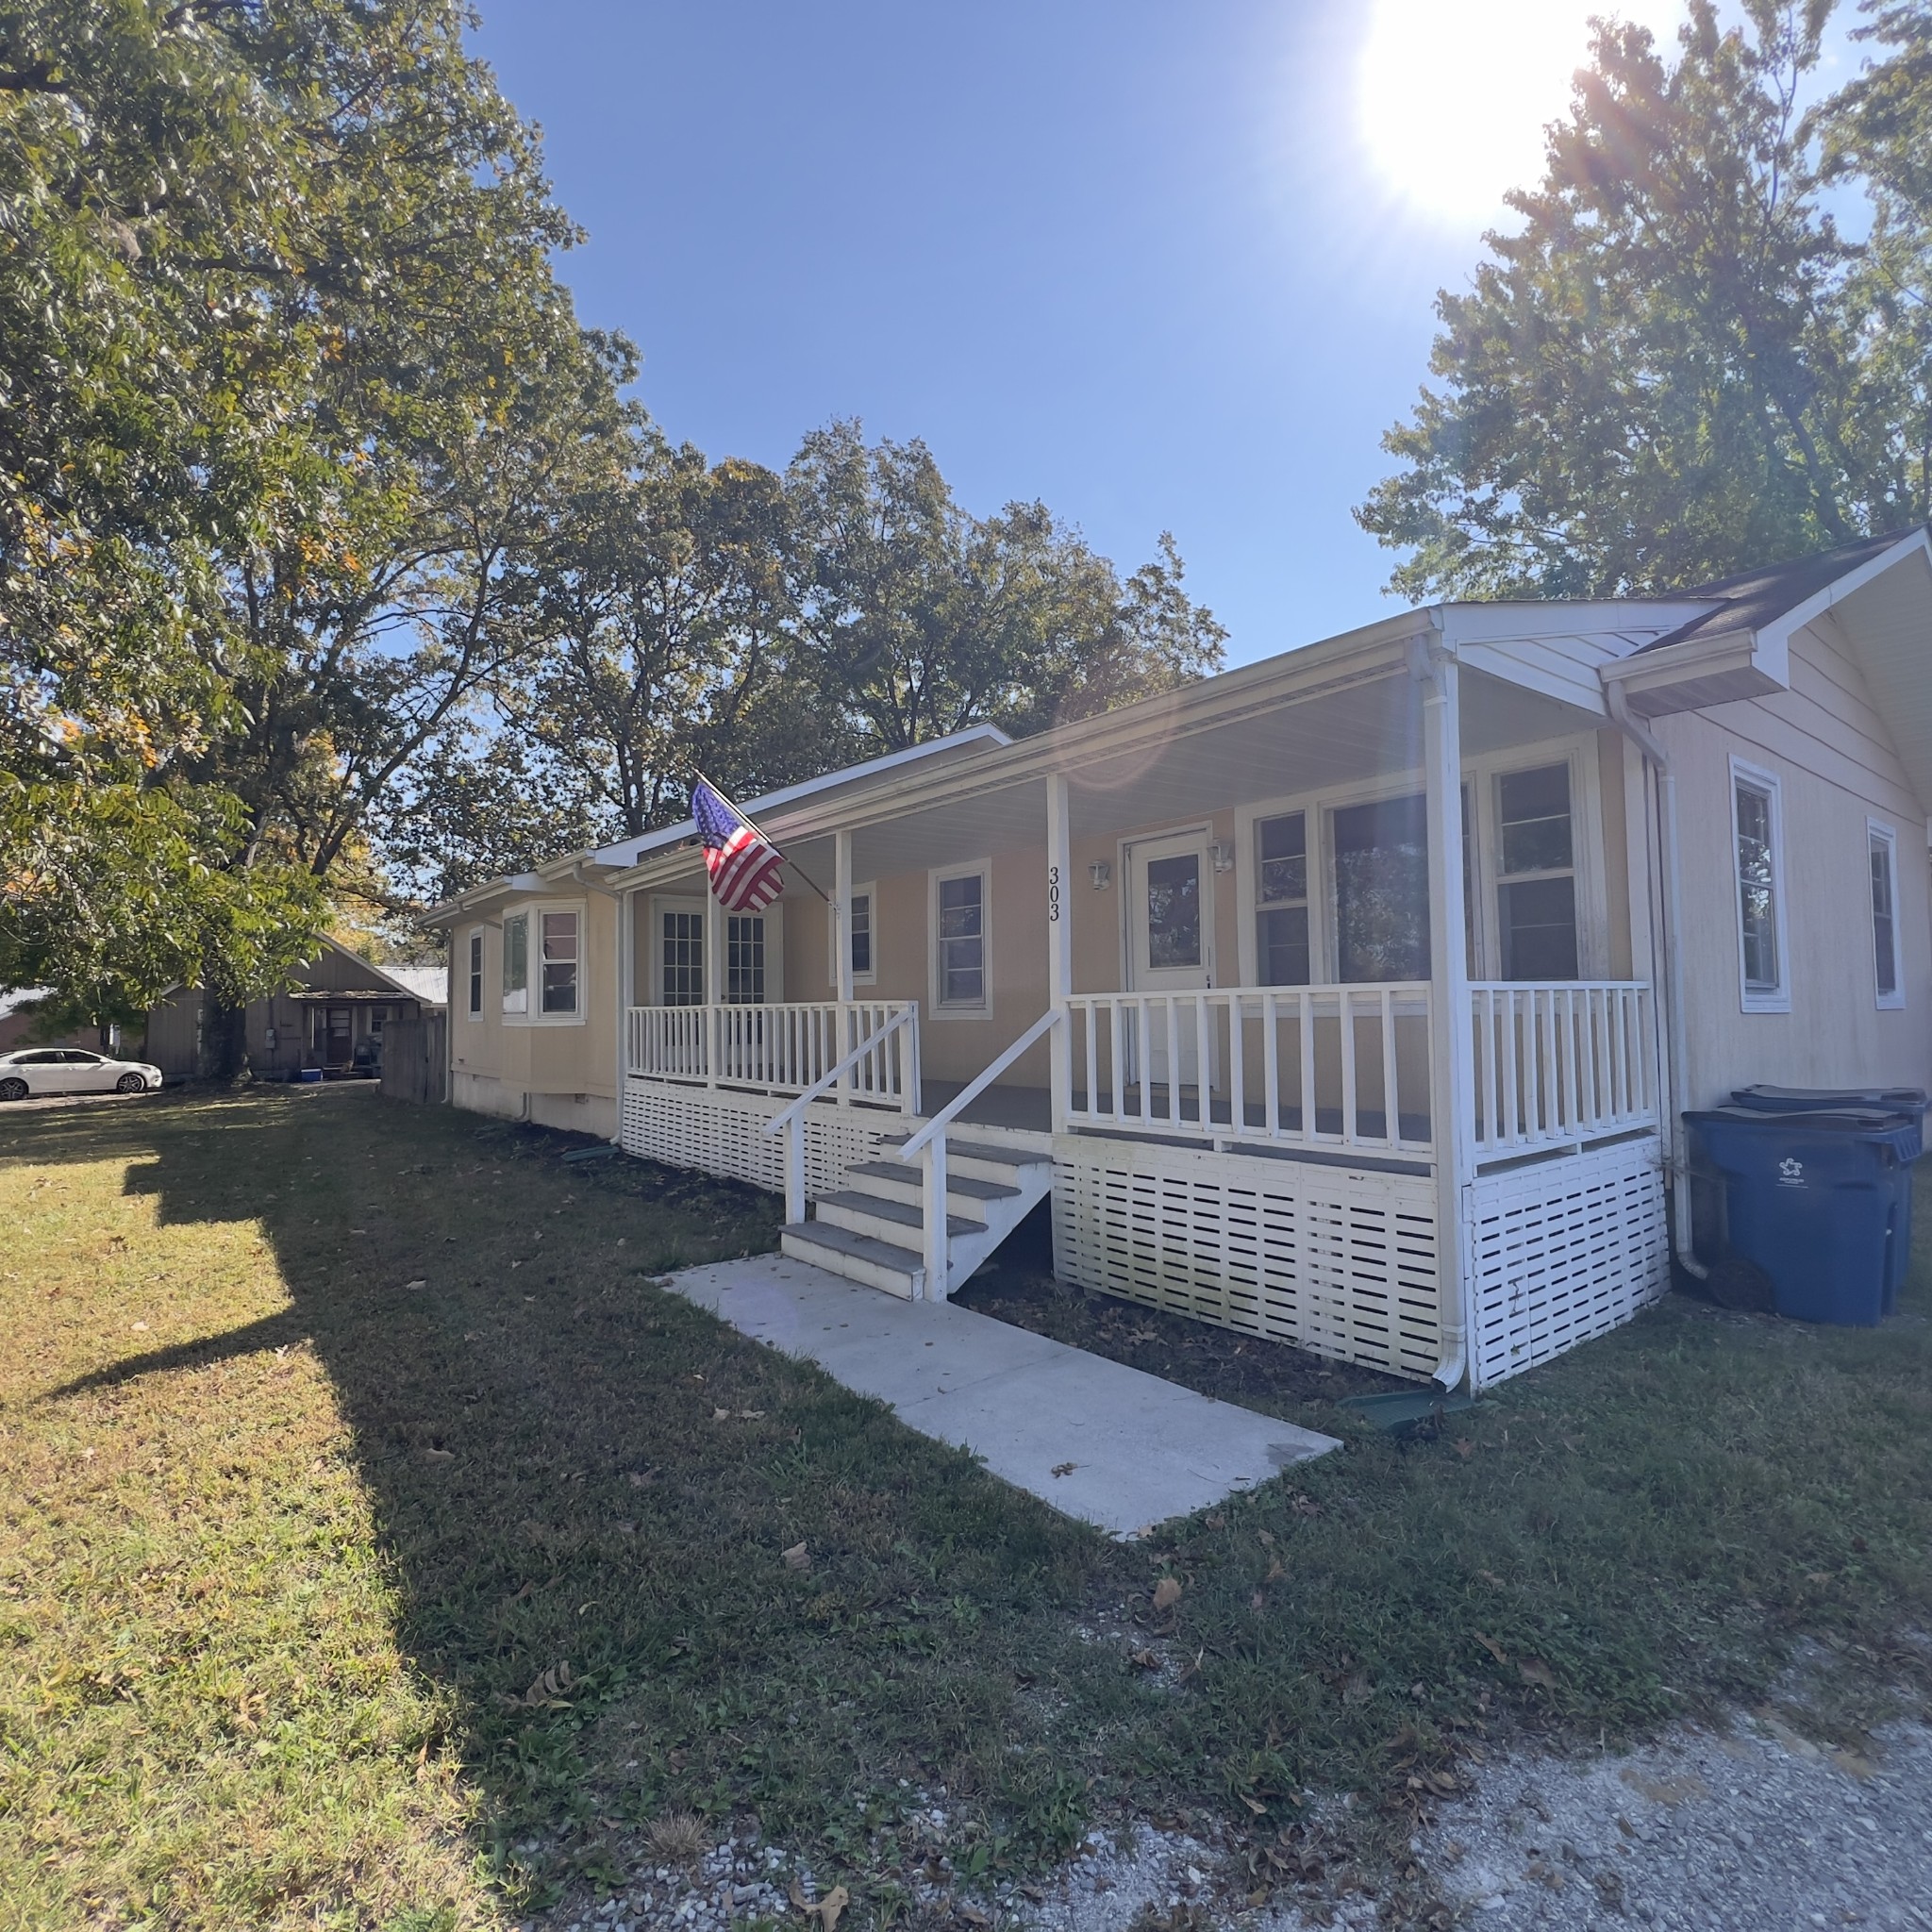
(1310, 1066)
(784, 1049)
(1562, 1063)
(1347, 1067)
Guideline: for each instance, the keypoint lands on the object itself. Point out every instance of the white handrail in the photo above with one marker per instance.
(929, 1146)
(915, 1144)
(793, 1116)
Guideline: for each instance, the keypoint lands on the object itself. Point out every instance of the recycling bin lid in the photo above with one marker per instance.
(1839, 1119)
(1827, 1099)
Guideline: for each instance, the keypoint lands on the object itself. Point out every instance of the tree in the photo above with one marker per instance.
(302, 347)
(1664, 375)
(917, 619)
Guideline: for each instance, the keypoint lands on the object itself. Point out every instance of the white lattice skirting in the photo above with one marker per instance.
(1564, 1250)
(1340, 1262)
(724, 1134)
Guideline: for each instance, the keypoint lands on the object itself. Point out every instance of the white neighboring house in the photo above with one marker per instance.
(1347, 998)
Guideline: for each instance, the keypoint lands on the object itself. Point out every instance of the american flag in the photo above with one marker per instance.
(745, 865)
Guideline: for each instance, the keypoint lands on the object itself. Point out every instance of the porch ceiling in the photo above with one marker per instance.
(1358, 734)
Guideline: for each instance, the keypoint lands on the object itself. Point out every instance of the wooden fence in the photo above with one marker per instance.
(415, 1057)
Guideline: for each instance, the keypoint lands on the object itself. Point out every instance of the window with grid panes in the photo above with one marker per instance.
(1281, 900)
(1536, 874)
(681, 958)
(1758, 910)
(744, 960)
(960, 939)
(560, 941)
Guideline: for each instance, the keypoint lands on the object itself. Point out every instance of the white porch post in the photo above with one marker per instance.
(1452, 1077)
(846, 1030)
(714, 986)
(1059, 947)
(626, 997)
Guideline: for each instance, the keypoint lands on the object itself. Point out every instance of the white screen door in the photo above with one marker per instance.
(1170, 910)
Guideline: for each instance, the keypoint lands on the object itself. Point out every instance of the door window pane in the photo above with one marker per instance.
(962, 940)
(682, 959)
(1174, 910)
(559, 962)
(744, 960)
(1757, 888)
(1382, 890)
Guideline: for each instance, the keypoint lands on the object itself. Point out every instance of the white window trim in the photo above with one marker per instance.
(1479, 774)
(1779, 999)
(533, 910)
(869, 892)
(478, 948)
(958, 1009)
(1892, 1002)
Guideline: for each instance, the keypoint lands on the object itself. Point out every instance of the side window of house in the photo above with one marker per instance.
(1281, 899)
(516, 963)
(1881, 845)
(861, 935)
(1761, 935)
(960, 940)
(744, 960)
(1536, 874)
(475, 976)
(560, 962)
(681, 957)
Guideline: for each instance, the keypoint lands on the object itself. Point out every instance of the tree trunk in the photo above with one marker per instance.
(224, 1043)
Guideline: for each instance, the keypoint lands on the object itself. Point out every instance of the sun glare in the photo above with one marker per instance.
(1454, 94)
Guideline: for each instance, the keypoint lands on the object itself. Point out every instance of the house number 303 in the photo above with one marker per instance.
(1053, 894)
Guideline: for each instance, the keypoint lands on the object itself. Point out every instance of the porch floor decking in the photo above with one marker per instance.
(1137, 1451)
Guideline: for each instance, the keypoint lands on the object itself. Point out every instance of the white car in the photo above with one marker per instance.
(72, 1070)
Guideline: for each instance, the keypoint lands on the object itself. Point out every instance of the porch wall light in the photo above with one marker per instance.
(1101, 872)
(1223, 855)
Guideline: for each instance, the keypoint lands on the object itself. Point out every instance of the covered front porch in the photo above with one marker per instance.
(1305, 991)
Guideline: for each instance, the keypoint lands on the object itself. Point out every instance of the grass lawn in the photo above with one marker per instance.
(380, 1547)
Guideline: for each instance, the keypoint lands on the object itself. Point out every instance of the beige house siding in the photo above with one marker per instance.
(559, 1072)
(1826, 743)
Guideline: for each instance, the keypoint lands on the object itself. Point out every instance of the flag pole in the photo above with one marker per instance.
(753, 822)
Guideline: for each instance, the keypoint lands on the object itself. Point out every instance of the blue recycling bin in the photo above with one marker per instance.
(1905, 1100)
(1814, 1202)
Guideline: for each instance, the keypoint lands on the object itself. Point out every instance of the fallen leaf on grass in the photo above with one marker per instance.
(1464, 1448)
(827, 1911)
(529, 1590)
(1145, 1659)
(1065, 1468)
(419, 1282)
(1275, 1573)
(547, 1691)
(642, 1479)
(440, 1454)
(1490, 1576)
(973, 1915)
(1304, 1506)
(751, 1415)
(1167, 1593)
(1534, 1671)
(797, 1557)
(1489, 1644)
(720, 1415)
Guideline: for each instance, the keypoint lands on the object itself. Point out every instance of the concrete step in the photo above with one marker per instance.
(856, 1257)
(885, 1219)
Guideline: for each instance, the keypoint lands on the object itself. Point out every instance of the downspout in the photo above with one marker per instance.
(1676, 1052)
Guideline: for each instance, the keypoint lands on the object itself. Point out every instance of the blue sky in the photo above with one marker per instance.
(1161, 265)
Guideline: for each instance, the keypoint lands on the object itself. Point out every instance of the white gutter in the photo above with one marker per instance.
(1675, 1049)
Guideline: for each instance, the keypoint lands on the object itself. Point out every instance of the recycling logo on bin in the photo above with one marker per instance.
(1791, 1173)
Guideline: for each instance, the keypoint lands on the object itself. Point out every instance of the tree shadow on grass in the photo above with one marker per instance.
(585, 1489)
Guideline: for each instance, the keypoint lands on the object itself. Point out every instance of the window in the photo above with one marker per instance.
(959, 940)
(516, 963)
(475, 976)
(861, 925)
(1757, 836)
(1382, 890)
(559, 962)
(744, 960)
(1281, 900)
(681, 957)
(1881, 845)
(1536, 874)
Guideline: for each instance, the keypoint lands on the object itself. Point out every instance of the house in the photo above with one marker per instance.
(1351, 998)
(21, 1025)
(332, 1020)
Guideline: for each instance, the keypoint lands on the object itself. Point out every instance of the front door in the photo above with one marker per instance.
(1170, 907)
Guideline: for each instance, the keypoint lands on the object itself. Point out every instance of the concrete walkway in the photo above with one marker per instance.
(1100, 1442)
